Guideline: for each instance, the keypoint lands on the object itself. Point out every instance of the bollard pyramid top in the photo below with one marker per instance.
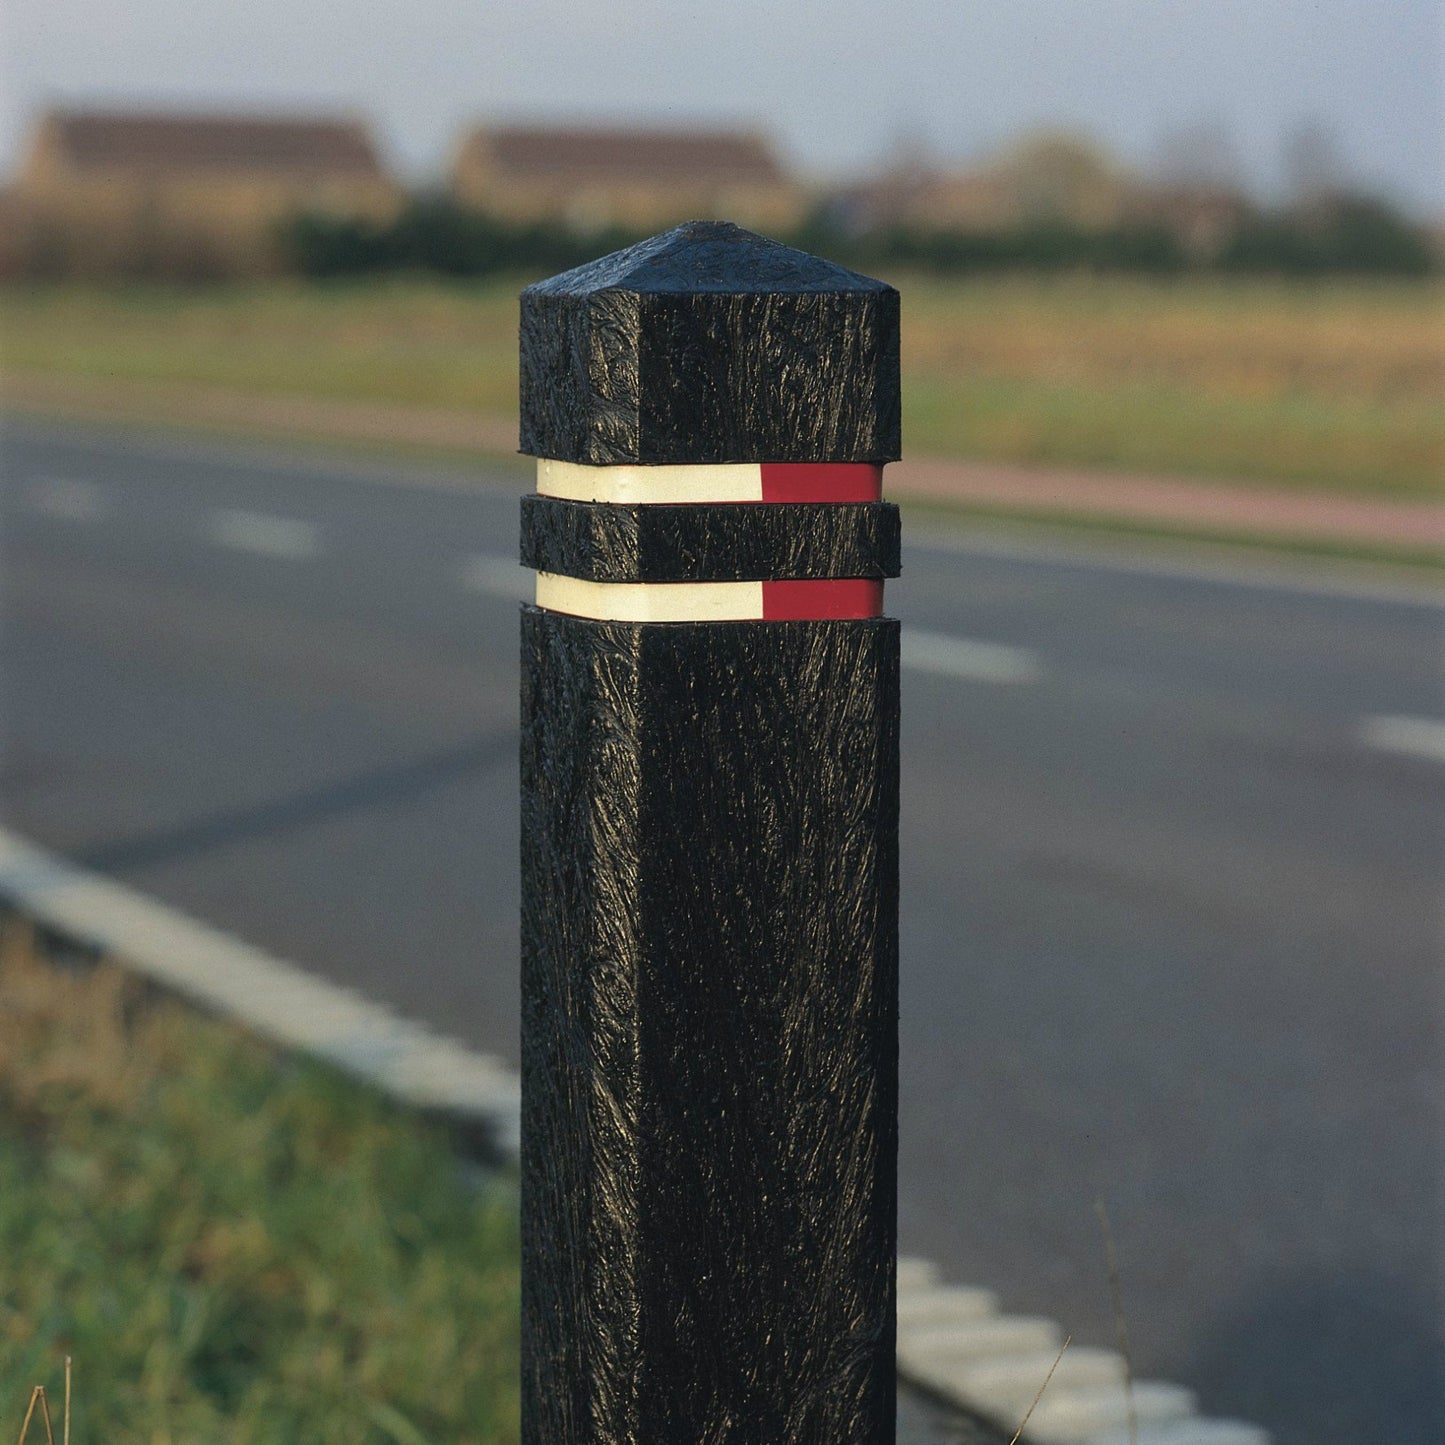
(709, 344)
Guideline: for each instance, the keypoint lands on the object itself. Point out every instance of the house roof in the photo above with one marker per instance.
(618, 154)
(123, 140)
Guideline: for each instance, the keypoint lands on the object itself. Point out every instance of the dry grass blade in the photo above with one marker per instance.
(1121, 1330)
(37, 1395)
(1028, 1414)
(66, 1429)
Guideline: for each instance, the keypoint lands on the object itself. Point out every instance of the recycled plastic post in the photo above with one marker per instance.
(709, 849)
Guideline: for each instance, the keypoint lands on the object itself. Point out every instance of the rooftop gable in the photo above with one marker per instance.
(623, 154)
(121, 140)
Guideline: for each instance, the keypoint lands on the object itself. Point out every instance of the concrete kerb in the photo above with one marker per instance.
(953, 1342)
(274, 999)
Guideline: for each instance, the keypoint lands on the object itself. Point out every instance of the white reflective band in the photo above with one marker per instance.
(729, 482)
(651, 601)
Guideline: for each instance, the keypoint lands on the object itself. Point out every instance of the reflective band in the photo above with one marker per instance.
(733, 483)
(838, 597)
(710, 601)
(822, 482)
(729, 482)
(651, 601)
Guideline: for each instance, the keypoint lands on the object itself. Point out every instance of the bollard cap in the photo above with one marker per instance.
(709, 344)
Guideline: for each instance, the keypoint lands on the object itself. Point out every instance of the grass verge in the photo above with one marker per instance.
(234, 1246)
(1325, 386)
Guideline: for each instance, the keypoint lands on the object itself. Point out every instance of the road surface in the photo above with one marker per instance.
(1172, 845)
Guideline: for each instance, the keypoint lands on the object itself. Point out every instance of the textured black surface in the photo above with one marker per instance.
(744, 542)
(710, 344)
(709, 999)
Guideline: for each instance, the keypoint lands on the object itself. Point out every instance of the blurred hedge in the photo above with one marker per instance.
(435, 235)
(1347, 235)
(1342, 236)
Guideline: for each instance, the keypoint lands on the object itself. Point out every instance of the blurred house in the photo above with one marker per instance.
(183, 196)
(641, 180)
(1051, 177)
(1204, 219)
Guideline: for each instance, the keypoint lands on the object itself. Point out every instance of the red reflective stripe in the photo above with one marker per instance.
(837, 597)
(822, 482)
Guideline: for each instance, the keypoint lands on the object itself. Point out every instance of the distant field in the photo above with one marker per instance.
(1331, 386)
(1335, 386)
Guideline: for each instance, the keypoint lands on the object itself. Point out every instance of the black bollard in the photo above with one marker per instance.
(709, 849)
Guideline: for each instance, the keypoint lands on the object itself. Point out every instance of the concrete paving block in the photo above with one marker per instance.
(1077, 1416)
(1007, 1385)
(938, 1356)
(944, 1304)
(478, 1095)
(989, 1335)
(434, 1068)
(1187, 1432)
(915, 1273)
(507, 1132)
(312, 1019)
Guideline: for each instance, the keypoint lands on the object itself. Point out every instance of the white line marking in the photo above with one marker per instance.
(67, 499)
(967, 658)
(501, 576)
(265, 535)
(1420, 737)
(278, 1000)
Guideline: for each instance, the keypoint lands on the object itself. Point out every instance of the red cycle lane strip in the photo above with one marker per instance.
(837, 597)
(822, 482)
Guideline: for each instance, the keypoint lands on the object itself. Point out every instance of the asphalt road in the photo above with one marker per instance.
(1172, 870)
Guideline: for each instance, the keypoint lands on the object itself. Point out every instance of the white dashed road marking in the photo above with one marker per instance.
(1419, 737)
(67, 499)
(264, 534)
(967, 658)
(500, 576)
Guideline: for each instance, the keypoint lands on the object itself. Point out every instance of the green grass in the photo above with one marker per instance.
(1331, 386)
(1314, 443)
(416, 343)
(234, 1248)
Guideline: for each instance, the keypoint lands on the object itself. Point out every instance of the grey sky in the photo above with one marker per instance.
(837, 83)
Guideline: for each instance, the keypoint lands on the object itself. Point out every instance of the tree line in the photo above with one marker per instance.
(1333, 235)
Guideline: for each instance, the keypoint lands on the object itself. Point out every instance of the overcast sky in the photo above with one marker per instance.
(836, 83)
